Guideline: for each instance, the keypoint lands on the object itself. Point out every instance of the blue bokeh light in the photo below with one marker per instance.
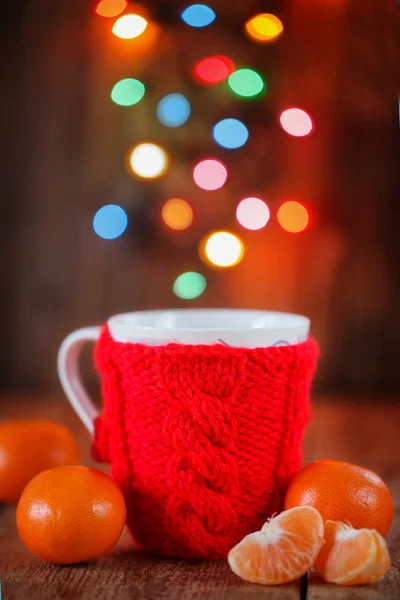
(198, 15)
(110, 221)
(173, 110)
(230, 133)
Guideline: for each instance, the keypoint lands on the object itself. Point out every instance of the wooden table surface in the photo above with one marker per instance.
(364, 432)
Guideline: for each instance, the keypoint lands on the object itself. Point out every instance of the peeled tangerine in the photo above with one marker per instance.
(284, 550)
(350, 556)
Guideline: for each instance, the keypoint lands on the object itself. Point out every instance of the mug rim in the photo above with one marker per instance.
(285, 321)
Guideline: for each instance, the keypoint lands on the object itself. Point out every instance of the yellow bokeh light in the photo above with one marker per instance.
(223, 249)
(148, 160)
(177, 214)
(293, 216)
(129, 26)
(264, 27)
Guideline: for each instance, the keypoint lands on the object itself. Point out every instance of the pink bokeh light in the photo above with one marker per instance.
(210, 174)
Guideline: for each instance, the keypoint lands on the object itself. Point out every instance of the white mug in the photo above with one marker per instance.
(231, 327)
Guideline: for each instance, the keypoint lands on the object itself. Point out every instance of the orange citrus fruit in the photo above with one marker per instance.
(70, 514)
(284, 549)
(28, 447)
(350, 556)
(343, 492)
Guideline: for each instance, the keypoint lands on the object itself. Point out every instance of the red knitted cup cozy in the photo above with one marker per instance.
(202, 440)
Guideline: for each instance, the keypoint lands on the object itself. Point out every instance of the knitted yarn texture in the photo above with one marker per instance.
(202, 440)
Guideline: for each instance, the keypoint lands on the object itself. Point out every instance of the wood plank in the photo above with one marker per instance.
(123, 573)
(365, 434)
(341, 429)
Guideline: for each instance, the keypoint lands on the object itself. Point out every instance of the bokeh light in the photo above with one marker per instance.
(148, 160)
(246, 82)
(230, 133)
(110, 221)
(198, 15)
(173, 110)
(296, 122)
(129, 27)
(252, 213)
(189, 285)
(213, 69)
(223, 249)
(264, 27)
(293, 216)
(110, 8)
(177, 214)
(210, 174)
(127, 92)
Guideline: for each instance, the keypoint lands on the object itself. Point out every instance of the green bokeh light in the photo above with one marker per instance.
(246, 82)
(189, 285)
(127, 92)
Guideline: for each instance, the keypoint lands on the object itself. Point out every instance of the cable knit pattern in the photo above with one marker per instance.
(202, 440)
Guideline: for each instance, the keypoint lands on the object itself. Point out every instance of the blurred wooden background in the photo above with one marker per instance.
(62, 157)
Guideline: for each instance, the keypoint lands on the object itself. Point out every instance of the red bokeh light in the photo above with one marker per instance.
(213, 69)
(293, 216)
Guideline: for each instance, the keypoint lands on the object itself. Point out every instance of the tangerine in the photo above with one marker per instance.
(351, 556)
(70, 514)
(343, 492)
(284, 549)
(28, 447)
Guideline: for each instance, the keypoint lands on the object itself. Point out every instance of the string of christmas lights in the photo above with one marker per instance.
(149, 160)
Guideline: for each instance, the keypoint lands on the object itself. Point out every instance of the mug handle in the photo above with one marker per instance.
(68, 372)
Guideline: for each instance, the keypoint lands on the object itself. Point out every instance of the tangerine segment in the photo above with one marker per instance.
(284, 549)
(383, 557)
(351, 556)
(380, 566)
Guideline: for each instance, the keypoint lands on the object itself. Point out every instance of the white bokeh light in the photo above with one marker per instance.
(148, 160)
(224, 249)
(129, 27)
(296, 122)
(252, 213)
